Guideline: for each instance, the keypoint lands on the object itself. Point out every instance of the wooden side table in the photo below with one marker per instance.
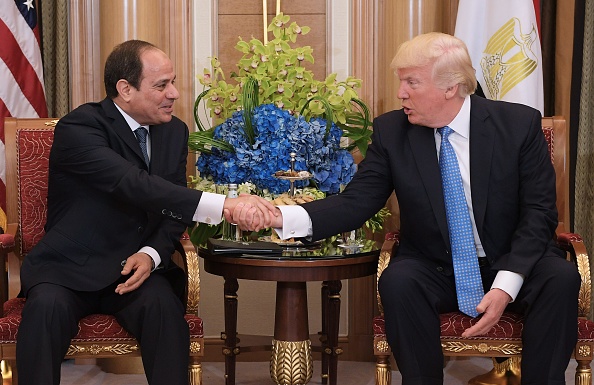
(291, 360)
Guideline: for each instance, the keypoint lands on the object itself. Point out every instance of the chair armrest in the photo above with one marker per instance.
(193, 272)
(574, 245)
(391, 241)
(6, 243)
(9, 238)
(10, 274)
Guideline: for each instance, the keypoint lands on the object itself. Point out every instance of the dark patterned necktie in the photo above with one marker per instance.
(469, 286)
(141, 134)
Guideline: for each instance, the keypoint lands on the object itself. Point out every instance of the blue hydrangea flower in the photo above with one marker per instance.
(277, 134)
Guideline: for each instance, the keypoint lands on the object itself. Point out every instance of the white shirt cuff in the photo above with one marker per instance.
(296, 223)
(509, 282)
(210, 208)
(153, 254)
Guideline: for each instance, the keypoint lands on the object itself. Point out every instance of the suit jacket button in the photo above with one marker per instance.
(164, 212)
(440, 269)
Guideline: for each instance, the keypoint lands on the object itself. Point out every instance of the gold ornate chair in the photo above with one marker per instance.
(28, 142)
(504, 340)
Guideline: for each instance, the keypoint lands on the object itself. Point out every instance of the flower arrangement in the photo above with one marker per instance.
(277, 107)
(273, 106)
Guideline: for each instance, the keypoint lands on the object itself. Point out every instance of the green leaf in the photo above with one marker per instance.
(196, 104)
(330, 79)
(203, 141)
(200, 233)
(242, 46)
(376, 222)
(250, 101)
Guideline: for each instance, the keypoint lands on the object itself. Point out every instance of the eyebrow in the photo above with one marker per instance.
(165, 81)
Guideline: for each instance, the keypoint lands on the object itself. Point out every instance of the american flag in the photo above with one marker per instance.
(21, 72)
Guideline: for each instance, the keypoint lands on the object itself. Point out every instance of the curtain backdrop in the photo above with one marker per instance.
(54, 41)
(548, 27)
(584, 183)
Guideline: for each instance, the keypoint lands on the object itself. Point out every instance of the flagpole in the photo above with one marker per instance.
(265, 19)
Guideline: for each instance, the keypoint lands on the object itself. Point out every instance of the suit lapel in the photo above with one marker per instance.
(157, 152)
(482, 136)
(422, 141)
(122, 129)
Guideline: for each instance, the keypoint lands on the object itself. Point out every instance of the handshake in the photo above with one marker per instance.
(252, 213)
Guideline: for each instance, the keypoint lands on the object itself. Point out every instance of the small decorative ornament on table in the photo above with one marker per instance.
(275, 107)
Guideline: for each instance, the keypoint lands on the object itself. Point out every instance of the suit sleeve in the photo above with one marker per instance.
(362, 198)
(168, 231)
(537, 212)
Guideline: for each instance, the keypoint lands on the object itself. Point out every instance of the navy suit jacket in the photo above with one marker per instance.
(103, 203)
(512, 182)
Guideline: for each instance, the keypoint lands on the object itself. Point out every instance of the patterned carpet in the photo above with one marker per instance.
(457, 372)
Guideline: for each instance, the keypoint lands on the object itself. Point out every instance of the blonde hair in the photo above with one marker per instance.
(449, 56)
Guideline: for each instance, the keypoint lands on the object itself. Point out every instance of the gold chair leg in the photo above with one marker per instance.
(5, 370)
(195, 372)
(583, 373)
(383, 371)
(514, 371)
(496, 376)
(14, 373)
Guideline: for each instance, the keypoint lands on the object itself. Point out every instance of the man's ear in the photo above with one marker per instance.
(451, 91)
(124, 89)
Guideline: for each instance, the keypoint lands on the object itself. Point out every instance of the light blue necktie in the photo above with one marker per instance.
(141, 134)
(469, 286)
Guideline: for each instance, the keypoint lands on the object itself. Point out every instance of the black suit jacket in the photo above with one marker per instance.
(512, 182)
(103, 204)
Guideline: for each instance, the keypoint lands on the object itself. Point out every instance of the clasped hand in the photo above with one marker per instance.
(251, 212)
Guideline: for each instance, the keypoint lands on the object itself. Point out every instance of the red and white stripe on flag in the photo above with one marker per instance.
(503, 41)
(22, 92)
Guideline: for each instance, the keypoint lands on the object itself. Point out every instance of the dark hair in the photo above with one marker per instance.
(124, 63)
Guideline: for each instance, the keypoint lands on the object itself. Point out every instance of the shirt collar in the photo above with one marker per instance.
(461, 123)
(130, 120)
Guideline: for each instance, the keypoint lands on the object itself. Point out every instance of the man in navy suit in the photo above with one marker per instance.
(509, 186)
(116, 212)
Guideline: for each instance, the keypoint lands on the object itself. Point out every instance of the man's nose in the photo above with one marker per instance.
(172, 92)
(402, 94)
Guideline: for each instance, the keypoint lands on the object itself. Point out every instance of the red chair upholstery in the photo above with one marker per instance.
(504, 339)
(28, 142)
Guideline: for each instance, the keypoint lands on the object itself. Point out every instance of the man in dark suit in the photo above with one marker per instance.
(117, 206)
(509, 189)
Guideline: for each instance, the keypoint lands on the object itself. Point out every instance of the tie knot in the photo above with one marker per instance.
(141, 134)
(445, 131)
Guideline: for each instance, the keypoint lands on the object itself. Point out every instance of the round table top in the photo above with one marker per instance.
(323, 261)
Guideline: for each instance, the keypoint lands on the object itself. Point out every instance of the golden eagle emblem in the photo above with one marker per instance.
(508, 58)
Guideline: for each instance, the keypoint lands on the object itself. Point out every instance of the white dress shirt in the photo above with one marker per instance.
(296, 221)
